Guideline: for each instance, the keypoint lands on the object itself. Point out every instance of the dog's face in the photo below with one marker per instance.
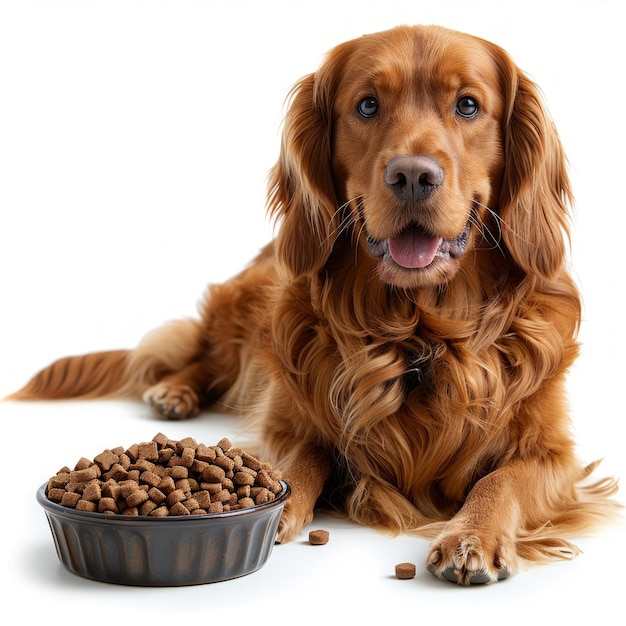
(417, 150)
(434, 150)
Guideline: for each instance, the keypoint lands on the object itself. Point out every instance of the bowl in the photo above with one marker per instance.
(167, 551)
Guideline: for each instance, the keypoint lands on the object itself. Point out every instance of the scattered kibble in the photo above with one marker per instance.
(165, 477)
(318, 537)
(405, 570)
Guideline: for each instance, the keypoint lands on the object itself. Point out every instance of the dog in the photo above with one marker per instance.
(400, 347)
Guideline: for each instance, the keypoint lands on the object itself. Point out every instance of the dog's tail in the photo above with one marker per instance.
(93, 375)
(116, 373)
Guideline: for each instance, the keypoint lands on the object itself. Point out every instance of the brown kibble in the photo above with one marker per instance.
(188, 456)
(203, 498)
(165, 454)
(133, 452)
(405, 571)
(178, 472)
(131, 511)
(69, 499)
(92, 492)
(160, 439)
(165, 477)
(179, 509)
(213, 474)
(55, 495)
(161, 511)
(85, 474)
(59, 481)
(176, 496)
(147, 507)
(107, 505)
(106, 459)
(204, 453)
(222, 496)
(136, 498)
(319, 537)
(184, 485)
(127, 487)
(156, 495)
(85, 505)
(117, 473)
(150, 478)
(167, 485)
(191, 504)
(244, 478)
(225, 462)
(224, 444)
(82, 464)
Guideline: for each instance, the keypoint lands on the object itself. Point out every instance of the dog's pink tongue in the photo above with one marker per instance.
(414, 248)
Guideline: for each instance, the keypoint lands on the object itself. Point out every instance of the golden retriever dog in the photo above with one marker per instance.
(401, 346)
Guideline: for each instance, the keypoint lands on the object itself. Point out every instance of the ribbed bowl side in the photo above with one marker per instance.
(163, 552)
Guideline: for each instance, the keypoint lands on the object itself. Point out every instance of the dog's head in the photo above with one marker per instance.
(425, 145)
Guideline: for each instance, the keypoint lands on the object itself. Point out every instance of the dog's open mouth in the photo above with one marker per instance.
(415, 248)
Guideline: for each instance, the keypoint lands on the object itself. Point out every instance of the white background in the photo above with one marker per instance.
(135, 140)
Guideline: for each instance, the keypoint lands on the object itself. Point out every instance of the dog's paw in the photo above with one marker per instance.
(292, 521)
(466, 560)
(172, 402)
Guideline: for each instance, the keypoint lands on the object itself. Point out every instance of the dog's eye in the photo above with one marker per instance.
(368, 107)
(467, 107)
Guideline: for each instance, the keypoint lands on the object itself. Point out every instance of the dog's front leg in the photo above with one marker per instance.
(478, 545)
(306, 471)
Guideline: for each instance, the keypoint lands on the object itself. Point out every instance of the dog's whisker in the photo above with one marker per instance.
(500, 222)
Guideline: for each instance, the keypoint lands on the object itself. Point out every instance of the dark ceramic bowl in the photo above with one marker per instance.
(167, 551)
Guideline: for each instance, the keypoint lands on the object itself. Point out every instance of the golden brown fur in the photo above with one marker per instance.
(418, 395)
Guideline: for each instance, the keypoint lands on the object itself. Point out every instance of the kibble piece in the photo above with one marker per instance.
(160, 439)
(243, 478)
(107, 505)
(405, 571)
(213, 474)
(131, 510)
(85, 505)
(156, 495)
(127, 487)
(176, 496)
(92, 492)
(117, 473)
(179, 508)
(56, 494)
(70, 499)
(178, 472)
(161, 511)
(85, 474)
(319, 537)
(147, 507)
(216, 507)
(82, 464)
(137, 498)
(224, 444)
(150, 478)
(106, 459)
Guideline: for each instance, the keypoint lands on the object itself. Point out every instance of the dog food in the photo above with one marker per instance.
(318, 537)
(405, 570)
(164, 477)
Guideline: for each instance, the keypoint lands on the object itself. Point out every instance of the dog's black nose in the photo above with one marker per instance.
(413, 178)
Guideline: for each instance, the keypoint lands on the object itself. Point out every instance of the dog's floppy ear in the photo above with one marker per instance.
(535, 189)
(302, 190)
